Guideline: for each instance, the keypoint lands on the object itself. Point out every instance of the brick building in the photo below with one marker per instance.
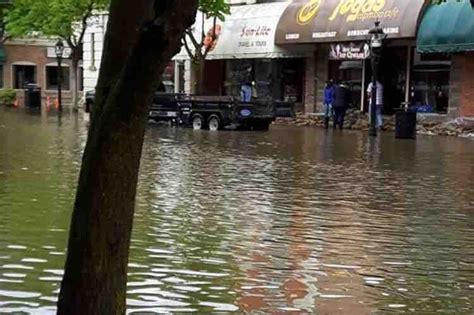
(34, 61)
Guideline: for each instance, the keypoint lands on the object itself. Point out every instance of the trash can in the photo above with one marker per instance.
(32, 96)
(405, 125)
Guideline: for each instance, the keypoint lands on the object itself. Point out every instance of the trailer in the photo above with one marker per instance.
(212, 112)
(217, 112)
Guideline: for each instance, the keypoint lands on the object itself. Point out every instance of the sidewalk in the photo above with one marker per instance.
(428, 124)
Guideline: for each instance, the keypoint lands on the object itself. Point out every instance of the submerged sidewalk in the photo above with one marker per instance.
(428, 124)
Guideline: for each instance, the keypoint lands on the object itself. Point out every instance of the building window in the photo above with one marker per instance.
(1, 77)
(429, 91)
(52, 78)
(23, 75)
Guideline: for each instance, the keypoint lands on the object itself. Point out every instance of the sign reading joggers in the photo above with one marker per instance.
(306, 21)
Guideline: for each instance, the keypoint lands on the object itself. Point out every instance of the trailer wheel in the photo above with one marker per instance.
(214, 123)
(197, 122)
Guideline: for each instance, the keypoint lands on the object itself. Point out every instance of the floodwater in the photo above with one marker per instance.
(295, 220)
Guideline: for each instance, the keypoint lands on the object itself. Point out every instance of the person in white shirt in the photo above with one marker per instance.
(378, 104)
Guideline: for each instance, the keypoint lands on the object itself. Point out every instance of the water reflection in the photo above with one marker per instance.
(293, 220)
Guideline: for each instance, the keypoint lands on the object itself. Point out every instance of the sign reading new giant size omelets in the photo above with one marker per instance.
(307, 21)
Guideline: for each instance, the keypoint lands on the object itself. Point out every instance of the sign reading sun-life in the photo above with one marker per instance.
(254, 36)
(248, 32)
(306, 21)
(238, 38)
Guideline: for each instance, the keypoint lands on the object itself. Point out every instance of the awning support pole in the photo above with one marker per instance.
(362, 94)
(408, 76)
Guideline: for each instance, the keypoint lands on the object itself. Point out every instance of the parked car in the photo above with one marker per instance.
(165, 87)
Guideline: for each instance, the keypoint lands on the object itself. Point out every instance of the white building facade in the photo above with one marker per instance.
(93, 45)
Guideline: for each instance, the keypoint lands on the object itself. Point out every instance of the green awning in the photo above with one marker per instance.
(447, 28)
(3, 55)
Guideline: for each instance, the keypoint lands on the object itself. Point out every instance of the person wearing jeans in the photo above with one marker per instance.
(246, 87)
(378, 104)
(341, 104)
(246, 93)
(328, 102)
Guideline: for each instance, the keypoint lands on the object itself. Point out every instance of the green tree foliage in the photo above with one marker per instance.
(65, 19)
(56, 19)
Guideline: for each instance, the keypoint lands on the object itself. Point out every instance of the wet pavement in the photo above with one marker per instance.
(295, 220)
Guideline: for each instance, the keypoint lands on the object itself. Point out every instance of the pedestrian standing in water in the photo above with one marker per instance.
(328, 102)
(341, 103)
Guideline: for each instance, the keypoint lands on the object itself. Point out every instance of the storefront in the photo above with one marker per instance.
(339, 29)
(446, 41)
(245, 51)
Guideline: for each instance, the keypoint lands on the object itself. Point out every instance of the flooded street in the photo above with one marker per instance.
(292, 220)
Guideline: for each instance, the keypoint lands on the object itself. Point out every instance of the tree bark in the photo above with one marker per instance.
(96, 266)
(198, 68)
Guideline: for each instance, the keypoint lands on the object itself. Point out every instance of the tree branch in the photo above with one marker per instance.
(186, 46)
(86, 16)
(213, 38)
(197, 46)
(203, 34)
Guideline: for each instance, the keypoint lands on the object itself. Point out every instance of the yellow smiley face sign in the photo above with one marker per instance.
(308, 12)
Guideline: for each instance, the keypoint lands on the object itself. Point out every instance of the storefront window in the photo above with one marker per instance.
(393, 69)
(278, 79)
(350, 73)
(291, 76)
(237, 73)
(23, 75)
(52, 78)
(430, 84)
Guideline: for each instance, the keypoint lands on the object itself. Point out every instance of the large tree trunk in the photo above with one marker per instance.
(197, 79)
(96, 267)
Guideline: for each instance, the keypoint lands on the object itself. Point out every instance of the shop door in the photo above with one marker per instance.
(392, 74)
(349, 73)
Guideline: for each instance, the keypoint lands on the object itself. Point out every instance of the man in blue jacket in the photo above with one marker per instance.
(328, 102)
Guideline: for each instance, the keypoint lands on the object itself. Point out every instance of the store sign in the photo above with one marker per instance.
(256, 35)
(240, 37)
(349, 51)
(306, 21)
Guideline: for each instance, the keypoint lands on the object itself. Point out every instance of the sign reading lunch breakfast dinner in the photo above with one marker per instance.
(306, 21)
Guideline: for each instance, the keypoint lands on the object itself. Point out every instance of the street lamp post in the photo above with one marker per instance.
(59, 50)
(377, 36)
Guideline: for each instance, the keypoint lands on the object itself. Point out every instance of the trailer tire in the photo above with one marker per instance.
(214, 123)
(197, 122)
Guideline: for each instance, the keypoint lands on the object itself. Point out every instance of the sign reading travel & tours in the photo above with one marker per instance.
(306, 21)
